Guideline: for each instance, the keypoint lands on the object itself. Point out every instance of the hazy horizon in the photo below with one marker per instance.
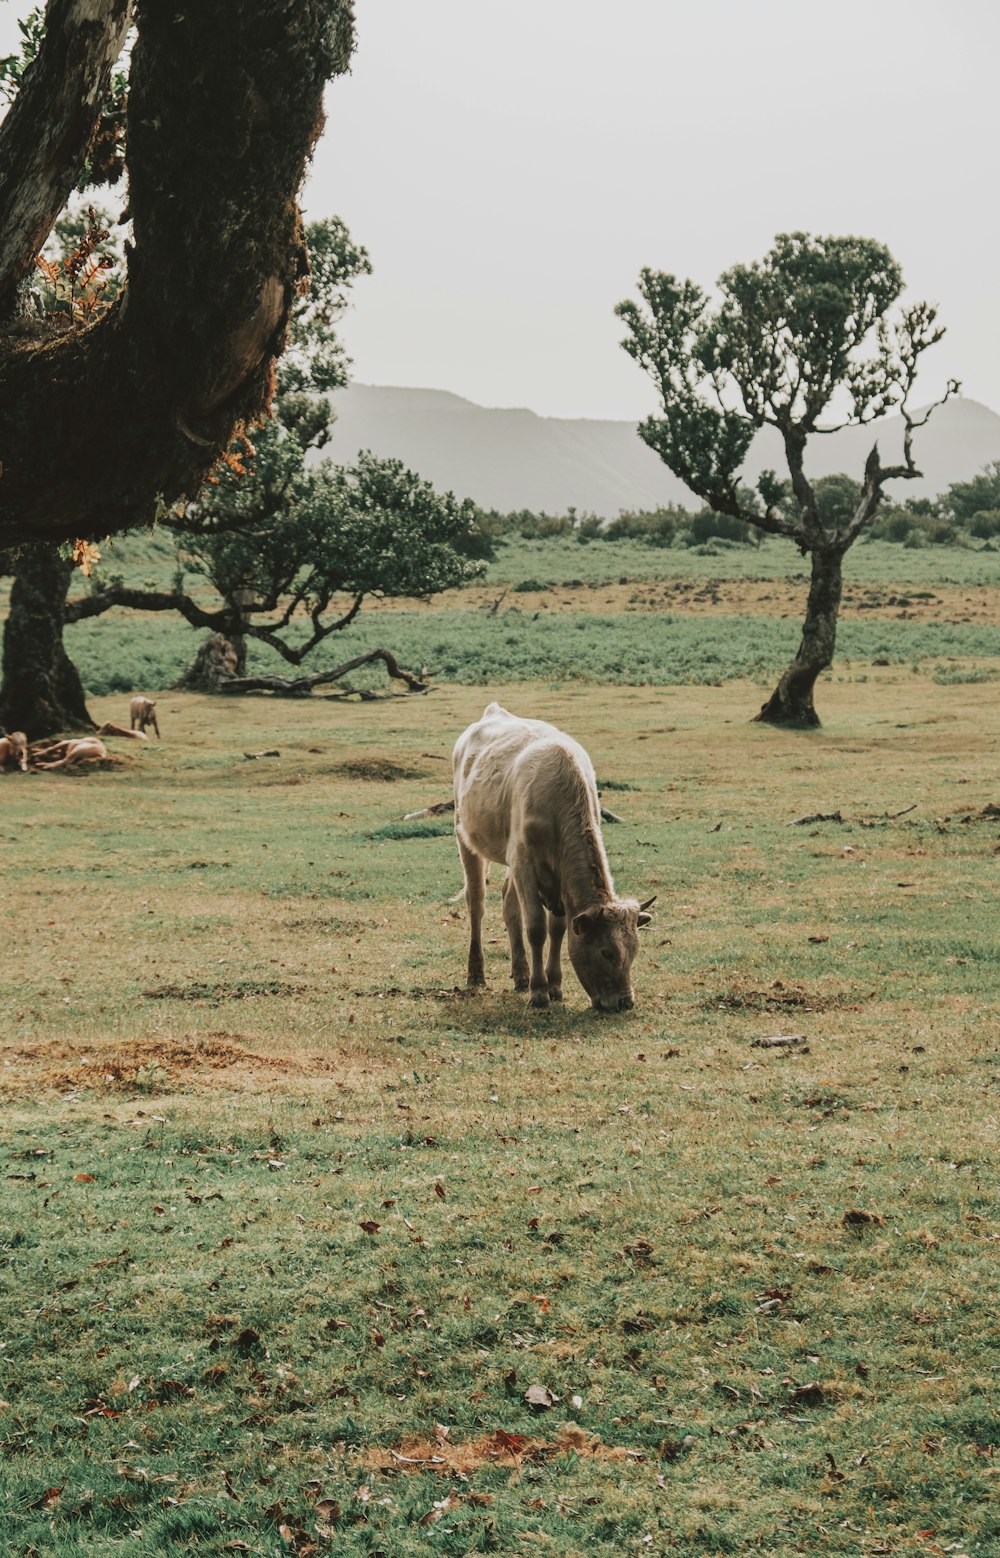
(511, 168)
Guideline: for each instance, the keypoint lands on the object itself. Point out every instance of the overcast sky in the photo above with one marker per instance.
(511, 164)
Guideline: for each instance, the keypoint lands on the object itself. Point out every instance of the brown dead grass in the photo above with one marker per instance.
(729, 597)
(147, 1064)
(461, 1458)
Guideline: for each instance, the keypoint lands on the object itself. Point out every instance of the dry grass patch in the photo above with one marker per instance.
(725, 597)
(159, 1066)
(448, 1458)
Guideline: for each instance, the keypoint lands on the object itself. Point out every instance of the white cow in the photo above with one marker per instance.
(526, 797)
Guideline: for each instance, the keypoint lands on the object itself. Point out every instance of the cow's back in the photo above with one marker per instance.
(515, 779)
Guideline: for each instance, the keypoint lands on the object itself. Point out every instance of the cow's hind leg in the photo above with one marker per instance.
(515, 931)
(475, 868)
(553, 965)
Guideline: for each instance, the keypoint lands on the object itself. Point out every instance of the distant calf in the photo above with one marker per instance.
(66, 754)
(14, 751)
(526, 797)
(143, 713)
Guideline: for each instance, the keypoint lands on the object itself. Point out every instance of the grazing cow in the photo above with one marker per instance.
(14, 751)
(143, 712)
(526, 797)
(65, 754)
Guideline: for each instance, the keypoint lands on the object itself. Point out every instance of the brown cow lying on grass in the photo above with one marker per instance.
(14, 751)
(526, 797)
(67, 754)
(110, 729)
(143, 712)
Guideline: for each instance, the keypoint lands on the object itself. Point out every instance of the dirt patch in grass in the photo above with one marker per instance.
(497, 1449)
(141, 1065)
(380, 768)
(726, 597)
(781, 996)
(217, 991)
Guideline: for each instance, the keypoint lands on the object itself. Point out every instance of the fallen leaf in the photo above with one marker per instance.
(369, 1227)
(539, 1398)
(49, 1497)
(440, 1509)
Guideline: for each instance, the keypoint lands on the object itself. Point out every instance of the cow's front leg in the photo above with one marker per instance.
(515, 931)
(533, 919)
(475, 868)
(553, 966)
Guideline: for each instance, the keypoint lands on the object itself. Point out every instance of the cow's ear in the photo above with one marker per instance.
(586, 921)
(642, 920)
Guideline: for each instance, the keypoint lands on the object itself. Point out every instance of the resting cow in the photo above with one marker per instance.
(143, 712)
(526, 797)
(110, 729)
(14, 751)
(66, 754)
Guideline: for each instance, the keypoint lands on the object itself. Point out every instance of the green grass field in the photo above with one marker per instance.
(291, 1225)
(598, 634)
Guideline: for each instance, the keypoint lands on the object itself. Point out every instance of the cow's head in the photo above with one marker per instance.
(602, 945)
(18, 744)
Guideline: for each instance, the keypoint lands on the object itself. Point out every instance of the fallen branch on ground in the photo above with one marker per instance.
(437, 810)
(301, 686)
(816, 816)
(440, 807)
(779, 1041)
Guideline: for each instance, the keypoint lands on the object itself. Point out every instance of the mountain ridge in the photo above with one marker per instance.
(512, 458)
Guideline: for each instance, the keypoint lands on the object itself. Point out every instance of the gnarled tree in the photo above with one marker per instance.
(313, 544)
(224, 108)
(804, 331)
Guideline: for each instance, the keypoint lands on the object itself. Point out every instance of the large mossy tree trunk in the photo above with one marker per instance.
(41, 692)
(99, 426)
(220, 658)
(791, 703)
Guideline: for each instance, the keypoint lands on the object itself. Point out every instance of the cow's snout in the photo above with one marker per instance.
(615, 1003)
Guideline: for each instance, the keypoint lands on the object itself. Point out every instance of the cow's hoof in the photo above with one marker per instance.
(522, 984)
(540, 998)
(555, 992)
(476, 982)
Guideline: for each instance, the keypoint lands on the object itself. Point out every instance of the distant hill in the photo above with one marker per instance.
(513, 459)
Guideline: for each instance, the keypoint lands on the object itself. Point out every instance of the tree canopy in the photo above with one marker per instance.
(975, 504)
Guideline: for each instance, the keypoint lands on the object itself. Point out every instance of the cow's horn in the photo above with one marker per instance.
(648, 904)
